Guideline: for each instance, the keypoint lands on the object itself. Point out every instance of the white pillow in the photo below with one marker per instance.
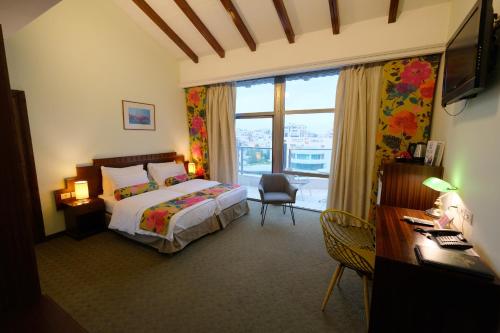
(164, 171)
(124, 180)
(108, 175)
(151, 165)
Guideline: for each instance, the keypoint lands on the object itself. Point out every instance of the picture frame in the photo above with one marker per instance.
(138, 116)
(434, 153)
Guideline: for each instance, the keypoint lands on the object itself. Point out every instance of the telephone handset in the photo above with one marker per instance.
(450, 238)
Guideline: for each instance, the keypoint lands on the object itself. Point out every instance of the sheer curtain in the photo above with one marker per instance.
(221, 107)
(353, 152)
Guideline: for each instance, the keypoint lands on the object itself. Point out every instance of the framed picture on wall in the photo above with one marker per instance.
(138, 116)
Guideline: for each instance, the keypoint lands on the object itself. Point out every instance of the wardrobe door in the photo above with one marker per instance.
(24, 134)
(19, 284)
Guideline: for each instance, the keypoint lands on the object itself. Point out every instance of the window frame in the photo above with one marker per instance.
(278, 127)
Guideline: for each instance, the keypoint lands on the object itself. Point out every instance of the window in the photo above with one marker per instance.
(292, 134)
(254, 132)
(313, 142)
(255, 96)
(306, 92)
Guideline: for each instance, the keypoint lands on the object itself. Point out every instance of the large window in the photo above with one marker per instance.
(285, 124)
(308, 142)
(254, 131)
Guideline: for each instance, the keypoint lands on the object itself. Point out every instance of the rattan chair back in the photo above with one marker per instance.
(349, 239)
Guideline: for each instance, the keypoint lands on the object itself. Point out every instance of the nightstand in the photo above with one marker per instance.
(84, 218)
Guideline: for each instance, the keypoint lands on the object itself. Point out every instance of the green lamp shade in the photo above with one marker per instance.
(438, 184)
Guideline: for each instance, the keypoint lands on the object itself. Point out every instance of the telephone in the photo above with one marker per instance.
(450, 238)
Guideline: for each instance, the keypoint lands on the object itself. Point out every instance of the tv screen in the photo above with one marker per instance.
(466, 57)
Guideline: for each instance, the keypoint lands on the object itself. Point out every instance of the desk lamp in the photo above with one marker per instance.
(440, 185)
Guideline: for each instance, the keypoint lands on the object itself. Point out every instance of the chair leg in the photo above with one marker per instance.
(284, 208)
(293, 215)
(367, 300)
(340, 278)
(261, 208)
(264, 215)
(333, 281)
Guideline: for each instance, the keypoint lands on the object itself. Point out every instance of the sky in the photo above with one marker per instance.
(315, 93)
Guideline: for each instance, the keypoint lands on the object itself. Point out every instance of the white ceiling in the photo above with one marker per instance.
(260, 17)
(15, 14)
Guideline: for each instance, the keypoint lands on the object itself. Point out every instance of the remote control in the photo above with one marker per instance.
(416, 220)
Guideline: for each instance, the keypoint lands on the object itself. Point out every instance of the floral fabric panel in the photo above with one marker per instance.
(405, 110)
(196, 104)
(130, 191)
(157, 218)
(178, 179)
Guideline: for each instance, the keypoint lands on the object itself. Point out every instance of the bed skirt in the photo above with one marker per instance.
(183, 238)
(230, 214)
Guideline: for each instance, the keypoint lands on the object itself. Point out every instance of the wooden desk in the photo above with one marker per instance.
(408, 297)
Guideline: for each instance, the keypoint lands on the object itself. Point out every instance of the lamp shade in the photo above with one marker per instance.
(438, 184)
(81, 190)
(191, 168)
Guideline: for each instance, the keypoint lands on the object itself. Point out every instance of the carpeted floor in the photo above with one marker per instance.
(246, 278)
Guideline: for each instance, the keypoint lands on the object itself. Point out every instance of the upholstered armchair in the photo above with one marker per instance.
(275, 189)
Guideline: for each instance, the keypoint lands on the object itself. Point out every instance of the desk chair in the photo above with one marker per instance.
(350, 241)
(275, 189)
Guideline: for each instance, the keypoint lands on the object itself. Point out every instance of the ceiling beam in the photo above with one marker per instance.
(285, 21)
(191, 15)
(393, 11)
(334, 15)
(238, 22)
(165, 28)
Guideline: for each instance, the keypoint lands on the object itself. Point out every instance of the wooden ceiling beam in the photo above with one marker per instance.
(334, 16)
(393, 11)
(238, 22)
(200, 26)
(285, 21)
(143, 5)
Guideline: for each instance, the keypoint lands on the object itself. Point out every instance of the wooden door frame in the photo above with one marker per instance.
(19, 282)
(23, 126)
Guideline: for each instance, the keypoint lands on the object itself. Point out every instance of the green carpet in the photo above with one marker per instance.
(246, 278)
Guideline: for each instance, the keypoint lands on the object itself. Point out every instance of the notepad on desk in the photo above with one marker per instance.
(455, 260)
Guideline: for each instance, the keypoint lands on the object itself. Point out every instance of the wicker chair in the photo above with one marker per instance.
(350, 241)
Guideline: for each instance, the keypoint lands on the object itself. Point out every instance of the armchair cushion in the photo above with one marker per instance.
(277, 197)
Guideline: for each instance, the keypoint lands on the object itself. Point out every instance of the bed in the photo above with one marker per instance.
(190, 223)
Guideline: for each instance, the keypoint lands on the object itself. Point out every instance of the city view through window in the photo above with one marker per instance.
(306, 142)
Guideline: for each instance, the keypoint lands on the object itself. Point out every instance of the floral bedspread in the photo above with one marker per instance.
(157, 218)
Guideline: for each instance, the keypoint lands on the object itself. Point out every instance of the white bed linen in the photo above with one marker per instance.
(109, 202)
(127, 213)
(224, 200)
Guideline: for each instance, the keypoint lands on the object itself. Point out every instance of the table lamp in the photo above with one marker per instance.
(81, 190)
(440, 185)
(191, 168)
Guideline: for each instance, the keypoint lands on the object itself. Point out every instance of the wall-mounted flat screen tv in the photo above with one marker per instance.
(467, 55)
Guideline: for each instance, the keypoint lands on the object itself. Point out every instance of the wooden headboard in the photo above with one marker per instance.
(92, 173)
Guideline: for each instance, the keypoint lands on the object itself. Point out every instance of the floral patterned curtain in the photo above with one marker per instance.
(196, 104)
(405, 109)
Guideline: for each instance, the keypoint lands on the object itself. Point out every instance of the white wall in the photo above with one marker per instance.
(419, 31)
(472, 159)
(76, 63)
